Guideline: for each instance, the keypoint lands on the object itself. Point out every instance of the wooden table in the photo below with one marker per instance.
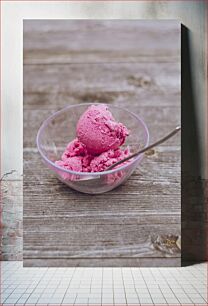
(133, 64)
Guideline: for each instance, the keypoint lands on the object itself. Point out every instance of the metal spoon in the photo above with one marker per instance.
(93, 178)
(176, 130)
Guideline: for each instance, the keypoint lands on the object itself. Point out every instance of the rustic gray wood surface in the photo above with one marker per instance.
(133, 64)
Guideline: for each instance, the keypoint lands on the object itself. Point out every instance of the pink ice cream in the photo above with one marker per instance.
(106, 159)
(76, 157)
(74, 148)
(99, 131)
(71, 163)
(98, 142)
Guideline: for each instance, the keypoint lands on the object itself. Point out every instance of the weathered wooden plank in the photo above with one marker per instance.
(101, 212)
(75, 206)
(110, 205)
(126, 84)
(47, 223)
(66, 41)
(145, 98)
(135, 185)
(103, 240)
(102, 262)
(103, 237)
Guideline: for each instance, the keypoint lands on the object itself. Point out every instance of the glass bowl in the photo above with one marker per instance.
(60, 128)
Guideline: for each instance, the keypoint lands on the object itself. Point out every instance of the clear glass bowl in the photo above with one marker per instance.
(60, 128)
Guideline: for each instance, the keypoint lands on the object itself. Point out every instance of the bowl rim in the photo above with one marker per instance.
(51, 117)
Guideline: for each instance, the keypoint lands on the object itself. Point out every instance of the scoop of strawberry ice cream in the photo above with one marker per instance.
(75, 157)
(97, 145)
(98, 130)
(106, 159)
(71, 163)
(91, 163)
(74, 148)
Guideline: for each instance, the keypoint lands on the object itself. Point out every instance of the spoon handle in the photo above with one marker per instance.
(176, 130)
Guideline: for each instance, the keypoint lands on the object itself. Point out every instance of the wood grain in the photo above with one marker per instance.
(86, 81)
(138, 223)
(102, 262)
(94, 41)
